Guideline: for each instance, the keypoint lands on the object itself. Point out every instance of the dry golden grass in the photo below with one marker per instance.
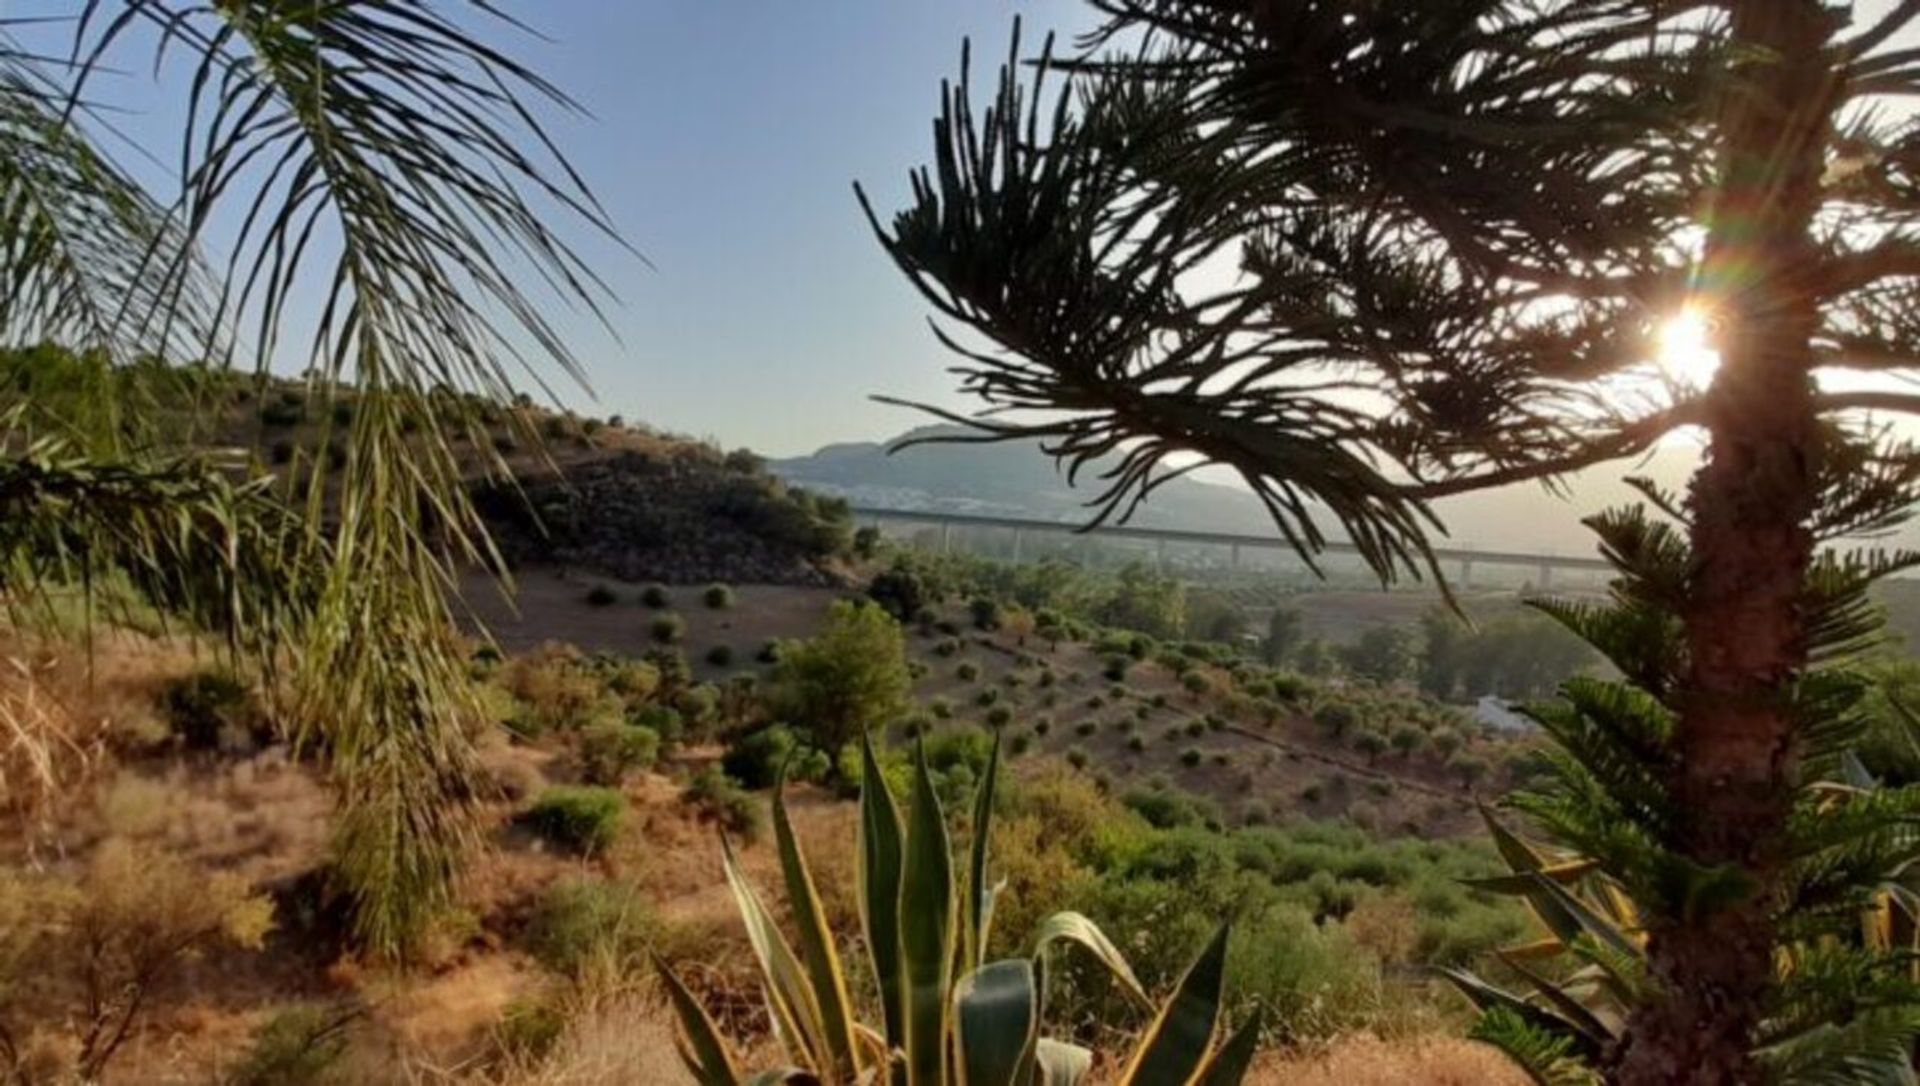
(1370, 1061)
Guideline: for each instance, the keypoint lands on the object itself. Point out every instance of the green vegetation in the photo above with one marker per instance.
(656, 597)
(718, 597)
(211, 708)
(595, 925)
(583, 819)
(667, 629)
(601, 596)
(978, 1018)
(846, 680)
(611, 751)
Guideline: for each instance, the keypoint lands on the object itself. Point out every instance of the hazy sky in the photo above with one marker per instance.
(727, 139)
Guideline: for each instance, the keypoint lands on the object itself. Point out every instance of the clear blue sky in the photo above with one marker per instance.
(726, 139)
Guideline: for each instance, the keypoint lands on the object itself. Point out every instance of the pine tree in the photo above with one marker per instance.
(1370, 255)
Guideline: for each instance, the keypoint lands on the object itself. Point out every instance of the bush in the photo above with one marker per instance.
(1335, 719)
(656, 597)
(601, 596)
(720, 799)
(1190, 757)
(1042, 726)
(902, 592)
(1019, 744)
(610, 752)
(999, 716)
(941, 708)
(985, 612)
(755, 760)
(298, 1046)
(769, 652)
(213, 708)
(529, 1029)
(846, 680)
(720, 656)
(1196, 728)
(586, 924)
(1136, 744)
(581, 818)
(718, 597)
(1086, 728)
(1077, 758)
(1115, 667)
(668, 629)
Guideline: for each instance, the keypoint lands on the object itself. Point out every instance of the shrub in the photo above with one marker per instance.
(720, 798)
(1042, 726)
(1077, 758)
(581, 818)
(769, 652)
(755, 760)
(1085, 728)
(902, 592)
(601, 596)
(298, 1046)
(1196, 728)
(610, 752)
(668, 629)
(718, 597)
(1312, 794)
(1190, 757)
(1196, 683)
(1019, 744)
(720, 656)
(1335, 719)
(946, 647)
(213, 708)
(846, 680)
(985, 612)
(1136, 744)
(656, 597)
(591, 925)
(941, 708)
(999, 716)
(967, 672)
(986, 697)
(282, 414)
(1115, 667)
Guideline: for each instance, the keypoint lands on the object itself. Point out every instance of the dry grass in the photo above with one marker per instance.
(1370, 1061)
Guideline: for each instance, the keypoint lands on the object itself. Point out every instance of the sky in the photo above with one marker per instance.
(726, 140)
(723, 141)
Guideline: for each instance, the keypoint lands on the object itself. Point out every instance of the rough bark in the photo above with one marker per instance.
(1750, 504)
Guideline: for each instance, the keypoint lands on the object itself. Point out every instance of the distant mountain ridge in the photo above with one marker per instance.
(1011, 479)
(1017, 479)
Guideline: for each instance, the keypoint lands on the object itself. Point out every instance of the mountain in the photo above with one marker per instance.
(1017, 479)
(1002, 479)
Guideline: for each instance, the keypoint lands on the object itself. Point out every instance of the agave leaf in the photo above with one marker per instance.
(1519, 855)
(1569, 1008)
(1061, 1064)
(782, 1076)
(816, 947)
(926, 929)
(789, 994)
(979, 897)
(878, 875)
(700, 1045)
(1175, 1046)
(1489, 999)
(1229, 1065)
(996, 1024)
(1073, 927)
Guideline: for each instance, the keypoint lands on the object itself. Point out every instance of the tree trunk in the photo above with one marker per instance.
(1750, 502)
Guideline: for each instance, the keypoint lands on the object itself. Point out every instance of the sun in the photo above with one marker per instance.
(1684, 349)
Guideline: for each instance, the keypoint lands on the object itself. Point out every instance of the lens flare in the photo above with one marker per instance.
(1684, 349)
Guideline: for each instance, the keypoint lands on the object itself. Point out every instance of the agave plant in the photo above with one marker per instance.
(948, 1016)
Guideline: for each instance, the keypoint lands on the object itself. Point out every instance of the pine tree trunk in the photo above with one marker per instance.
(1751, 503)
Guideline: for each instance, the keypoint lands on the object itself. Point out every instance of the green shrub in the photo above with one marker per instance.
(986, 697)
(656, 597)
(755, 760)
(601, 596)
(1196, 728)
(999, 716)
(985, 612)
(946, 646)
(1190, 757)
(941, 708)
(1077, 758)
(298, 1046)
(769, 652)
(212, 708)
(720, 798)
(1019, 744)
(967, 672)
(1115, 667)
(582, 818)
(612, 751)
(719, 597)
(1043, 725)
(1136, 744)
(587, 924)
(720, 655)
(668, 629)
(1086, 728)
